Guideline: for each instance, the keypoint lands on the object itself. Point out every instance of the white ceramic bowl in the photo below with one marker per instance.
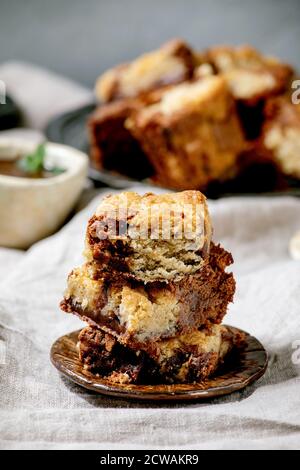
(31, 209)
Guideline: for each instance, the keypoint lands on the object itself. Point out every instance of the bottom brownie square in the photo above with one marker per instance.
(184, 359)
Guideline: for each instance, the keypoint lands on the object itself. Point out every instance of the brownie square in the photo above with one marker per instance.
(192, 136)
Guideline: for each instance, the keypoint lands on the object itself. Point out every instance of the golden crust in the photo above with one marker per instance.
(227, 57)
(151, 236)
(250, 75)
(146, 212)
(209, 96)
(248, 84)
(130, 198)
(172, 63)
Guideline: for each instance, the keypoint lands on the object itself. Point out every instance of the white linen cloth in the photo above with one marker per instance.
(41, 410)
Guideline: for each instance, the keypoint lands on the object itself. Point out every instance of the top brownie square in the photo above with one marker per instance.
(150, 237)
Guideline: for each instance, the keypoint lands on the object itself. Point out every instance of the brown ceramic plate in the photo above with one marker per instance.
(244, 366)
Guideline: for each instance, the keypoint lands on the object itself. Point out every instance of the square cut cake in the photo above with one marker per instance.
(184, 359)
(138, 314)
(112, 146)
(150, 237)
(252, 79)
(153, 289)
(281, 134)
(172, 63)
(192, 136)
(250, 74)
(185, 119)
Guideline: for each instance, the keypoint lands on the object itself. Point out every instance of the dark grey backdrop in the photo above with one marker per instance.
(81, 38)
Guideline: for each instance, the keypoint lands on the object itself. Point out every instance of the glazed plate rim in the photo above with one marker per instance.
(175, 392)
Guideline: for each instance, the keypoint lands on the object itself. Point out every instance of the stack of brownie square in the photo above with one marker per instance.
(197, 120)
(153, 290)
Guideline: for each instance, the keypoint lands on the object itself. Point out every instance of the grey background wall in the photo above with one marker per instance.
(81, 38)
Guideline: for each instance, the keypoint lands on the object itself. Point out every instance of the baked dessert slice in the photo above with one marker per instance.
(153, 290)
(252, 78)
(192, 136)
(112, 146)
(101, 354)
(172, 63)
(184, 359)
(150, 237)
(281, 134)
(139, 314)
(250, 74)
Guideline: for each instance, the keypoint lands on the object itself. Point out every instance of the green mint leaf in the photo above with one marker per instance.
(34, 162)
